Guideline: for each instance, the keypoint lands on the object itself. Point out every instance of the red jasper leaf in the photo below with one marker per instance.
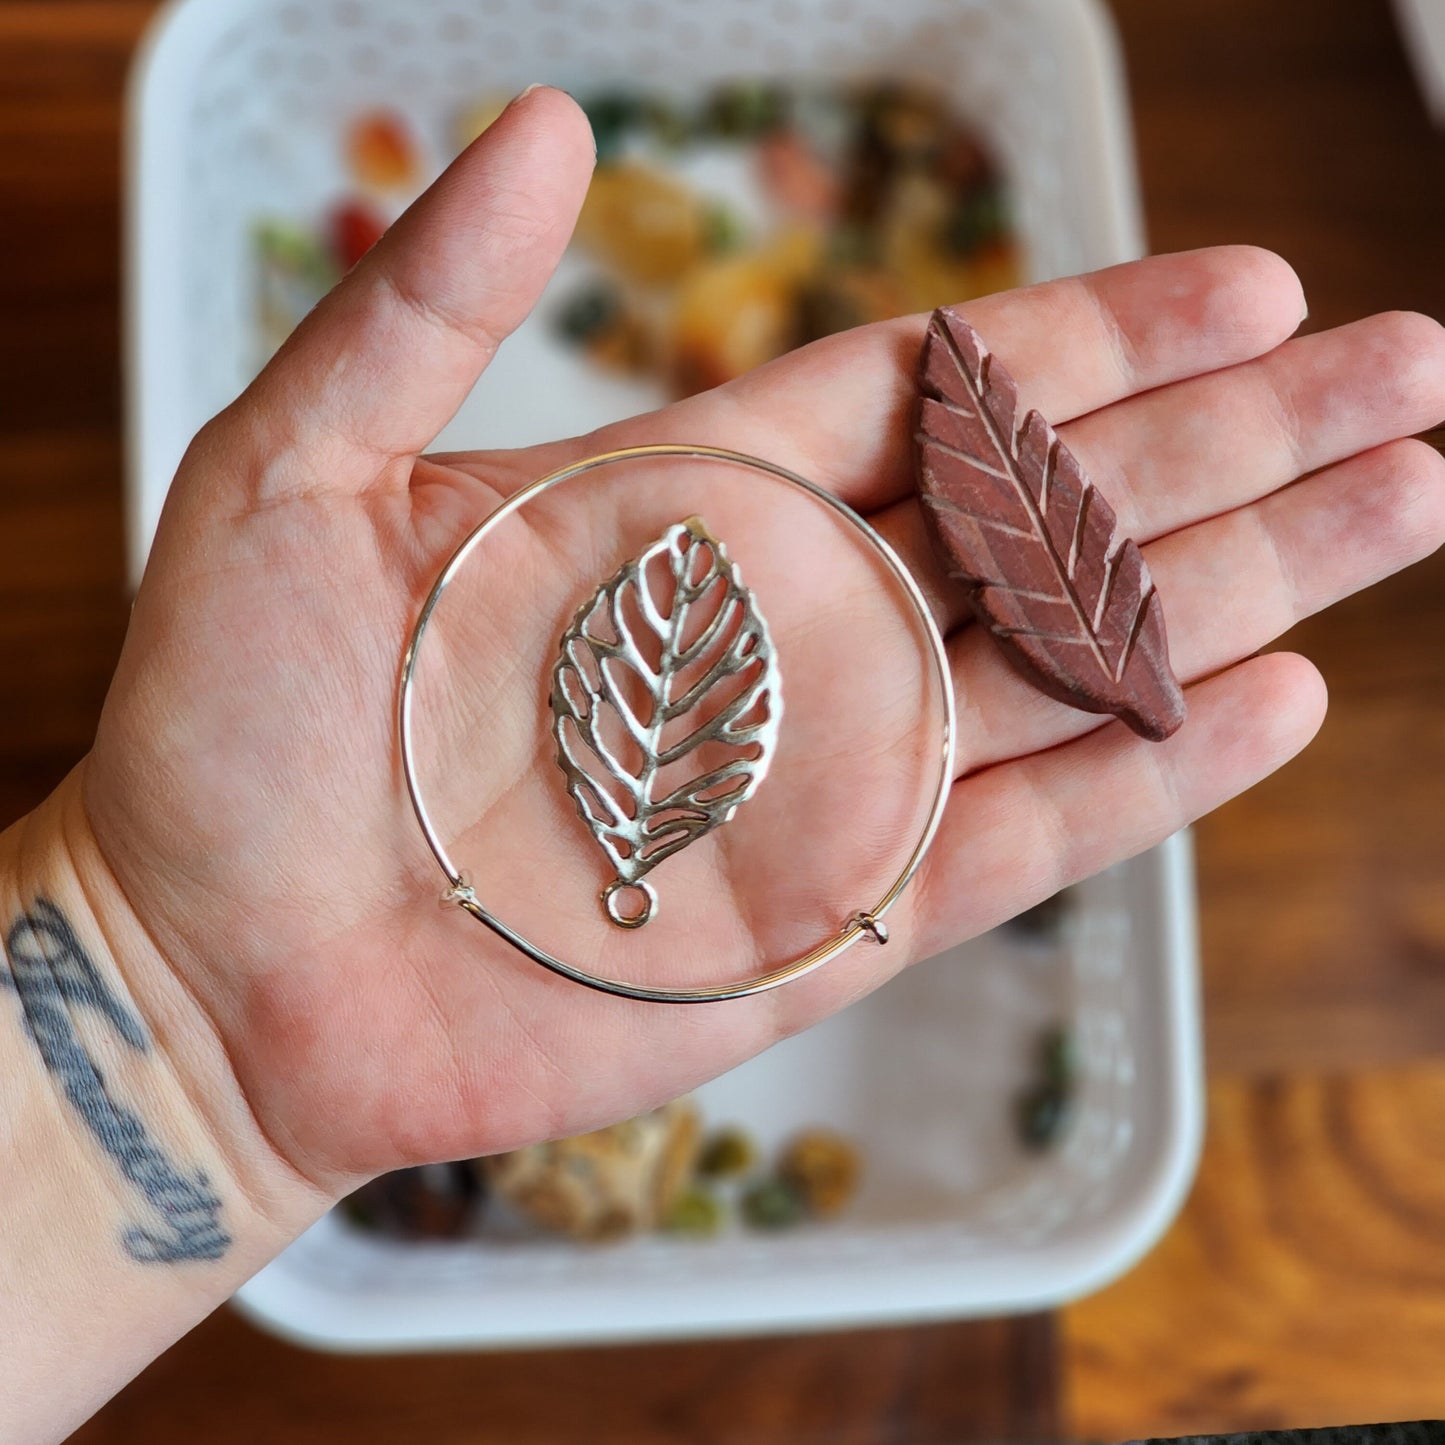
(1064, 593)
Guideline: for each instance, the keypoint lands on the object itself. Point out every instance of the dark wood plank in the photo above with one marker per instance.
(931, 1386)
(1297, 125)
(1294, 125)
(1324, 917)
(62, 594)
(1305, 1284)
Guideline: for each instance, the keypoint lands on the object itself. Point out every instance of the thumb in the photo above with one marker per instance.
(385, 361)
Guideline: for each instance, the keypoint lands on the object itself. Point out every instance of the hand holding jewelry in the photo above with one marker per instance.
(236, 869)
(245, 785)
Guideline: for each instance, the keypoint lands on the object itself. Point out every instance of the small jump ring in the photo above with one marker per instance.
(642, 915)
(874, 927)
(461, 893)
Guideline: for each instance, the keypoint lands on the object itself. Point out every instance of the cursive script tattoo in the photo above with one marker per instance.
(55, 978)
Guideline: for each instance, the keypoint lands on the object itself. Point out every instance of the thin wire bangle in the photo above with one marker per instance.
(862, 923)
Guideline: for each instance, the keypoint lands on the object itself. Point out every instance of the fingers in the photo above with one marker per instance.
(376, 371)
(1198, 448)
(1231, 585)
(1019, 832)
(1201, 447)
(841, 410)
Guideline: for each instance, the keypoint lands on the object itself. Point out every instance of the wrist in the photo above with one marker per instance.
(139, 1082)
(138, 1190)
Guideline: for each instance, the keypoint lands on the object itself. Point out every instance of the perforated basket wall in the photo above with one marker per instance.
(238, 115)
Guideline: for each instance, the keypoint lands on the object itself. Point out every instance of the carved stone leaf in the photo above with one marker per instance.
(1069, 599)
(666, 701)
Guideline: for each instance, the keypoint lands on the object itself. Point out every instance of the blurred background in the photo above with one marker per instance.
(734, 215)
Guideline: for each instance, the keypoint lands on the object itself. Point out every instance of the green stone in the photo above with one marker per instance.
(1044, 1115)
(695, 1212)
(1059, 1058)
(588, 312)
(726, 1154)
(773, 1204)
(723, 228)
(612, 114)
(747, 109)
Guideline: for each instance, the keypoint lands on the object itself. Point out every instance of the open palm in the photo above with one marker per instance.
(245, 788)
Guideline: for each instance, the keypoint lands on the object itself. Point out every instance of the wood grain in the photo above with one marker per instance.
(1294, 125)
(228, 1385)
(62, 596)
(1305, 1283)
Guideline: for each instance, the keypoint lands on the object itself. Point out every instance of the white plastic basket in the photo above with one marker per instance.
(235, 110)
(237, 105)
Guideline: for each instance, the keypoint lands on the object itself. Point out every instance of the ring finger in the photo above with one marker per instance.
(1233, 584)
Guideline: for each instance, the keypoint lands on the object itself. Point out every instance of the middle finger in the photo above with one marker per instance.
(1195, 449)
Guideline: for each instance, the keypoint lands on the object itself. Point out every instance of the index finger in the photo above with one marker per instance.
(380, 366)
(840, 410)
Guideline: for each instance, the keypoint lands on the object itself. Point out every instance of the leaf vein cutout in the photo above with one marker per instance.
(996, 524)
(1141, 617)
(1106, 586)
(666, 701)
(962, 455)
(1003, 586)
(1008, 453)
(1067, 594)
(1065, 639)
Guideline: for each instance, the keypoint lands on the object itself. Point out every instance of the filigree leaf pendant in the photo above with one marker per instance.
(666, 702)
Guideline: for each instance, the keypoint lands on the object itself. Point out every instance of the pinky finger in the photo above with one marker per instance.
(1020, 831)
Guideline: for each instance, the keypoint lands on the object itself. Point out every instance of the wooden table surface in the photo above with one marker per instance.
(1305, 1282)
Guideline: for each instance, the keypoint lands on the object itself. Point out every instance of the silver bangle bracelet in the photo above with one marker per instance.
(711, 622)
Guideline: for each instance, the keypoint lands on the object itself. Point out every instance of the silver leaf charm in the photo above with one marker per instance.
(666, 702)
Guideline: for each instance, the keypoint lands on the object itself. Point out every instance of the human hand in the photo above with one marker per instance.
(243, 798)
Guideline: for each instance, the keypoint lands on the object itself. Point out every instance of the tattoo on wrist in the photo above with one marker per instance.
(55, 978)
